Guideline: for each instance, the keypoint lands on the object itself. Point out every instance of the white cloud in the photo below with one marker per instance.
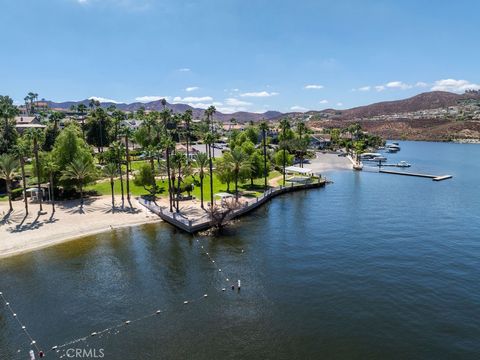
(453, 85)
(364, 88)
(421, 84)
(259, 94)
(104, 100)
(324, 101)
(192, 99)
(150, 98)
(313, 87)
(201, 105)
(398, 85)
(192, 88)
(379, 87)
(236, 102)
(339, 104)
(184, 69)
(298, 108)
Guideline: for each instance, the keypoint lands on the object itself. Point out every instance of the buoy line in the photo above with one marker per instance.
(125, 323)
(22, 325)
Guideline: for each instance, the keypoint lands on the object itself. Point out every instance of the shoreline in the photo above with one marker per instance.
(20, 235)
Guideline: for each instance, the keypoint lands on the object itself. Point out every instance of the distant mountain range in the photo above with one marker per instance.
(241, 116)
(424, 101)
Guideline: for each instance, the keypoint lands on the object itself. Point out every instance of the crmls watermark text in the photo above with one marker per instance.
(85, 353)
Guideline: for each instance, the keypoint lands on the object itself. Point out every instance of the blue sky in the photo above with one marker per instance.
(252, 55)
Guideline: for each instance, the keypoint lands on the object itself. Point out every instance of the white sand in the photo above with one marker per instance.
(19, 235)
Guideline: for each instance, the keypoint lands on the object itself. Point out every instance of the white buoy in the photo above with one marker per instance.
(93, 333)
(185, 302)
(205, 295)
(127, 322)
(32, 355)
(158, 312)
(226, 279)
(239, 284)
(223, 289)
(219, 269)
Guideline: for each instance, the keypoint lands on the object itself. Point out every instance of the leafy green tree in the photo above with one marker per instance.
(146, 178)
(98, 128)
(179, 162)
(241, 166)
(8, 133)
(224, 171)
(8, 167)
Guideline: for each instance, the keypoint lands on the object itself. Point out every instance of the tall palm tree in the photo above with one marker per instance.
(117, 148)
(168, 144)
(179, 160)
(111, 170)
(284, 126)
(187, 120)
(22, 151)
(264, 129)
(209, 140)
(240, 164)
(128, 134)
(50, 167)
(202, 163)
(80, 171)
(36, 135)
(82, 110)
(8, 168)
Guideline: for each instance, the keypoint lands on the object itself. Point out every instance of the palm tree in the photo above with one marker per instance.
(118, 151)
(202, 163)
(128, 134)
(22, 151)
(36, 136)
(209, 140)
(8, 167)
(187, 120)
(178, 162)
(168, 144)
(80, 171)
(240, 164)
(111, 170)
(264, 128)
(82, 109)
(50, 167)
(284, 126)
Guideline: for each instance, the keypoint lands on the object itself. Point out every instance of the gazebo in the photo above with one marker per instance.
(34, 196)
(224, 196)
(299, 174)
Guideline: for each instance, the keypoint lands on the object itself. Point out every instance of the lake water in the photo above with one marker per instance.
(374, 266)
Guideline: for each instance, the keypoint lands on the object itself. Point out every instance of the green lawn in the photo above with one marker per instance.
(103, 187)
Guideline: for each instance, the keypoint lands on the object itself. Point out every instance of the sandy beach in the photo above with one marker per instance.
(19, 234)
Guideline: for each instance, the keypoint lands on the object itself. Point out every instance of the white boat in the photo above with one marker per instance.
(392, 147)
(369, 156)
(403, 164)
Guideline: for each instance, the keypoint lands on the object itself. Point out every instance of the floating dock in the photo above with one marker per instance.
(433, 177)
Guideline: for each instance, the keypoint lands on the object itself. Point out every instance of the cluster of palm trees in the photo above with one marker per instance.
(158, 136)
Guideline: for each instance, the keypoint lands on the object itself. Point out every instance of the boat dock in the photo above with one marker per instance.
(192, 225)
(433, 177)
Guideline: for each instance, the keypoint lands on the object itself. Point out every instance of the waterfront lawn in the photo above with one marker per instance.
(103, 187)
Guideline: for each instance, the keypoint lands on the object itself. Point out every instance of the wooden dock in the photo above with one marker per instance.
(433, 177)
(194, 225)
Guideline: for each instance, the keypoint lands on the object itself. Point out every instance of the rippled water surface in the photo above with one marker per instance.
(374, 266)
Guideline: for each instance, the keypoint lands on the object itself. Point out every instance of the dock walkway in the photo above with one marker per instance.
(194, 225)
(433, 177)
